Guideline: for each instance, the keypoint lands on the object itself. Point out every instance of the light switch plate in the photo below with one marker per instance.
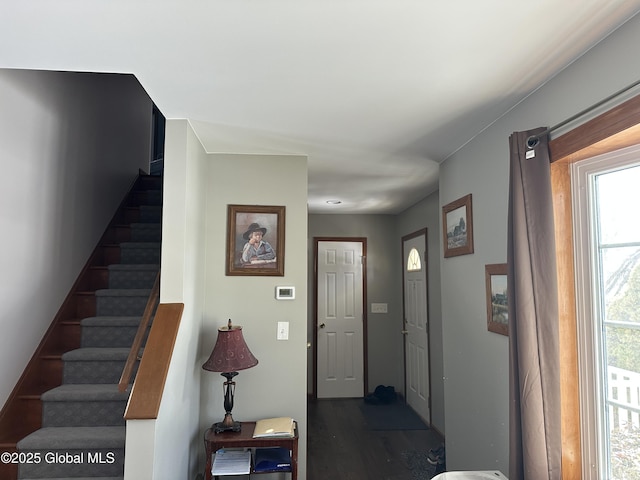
(379, 308)
(283, 331)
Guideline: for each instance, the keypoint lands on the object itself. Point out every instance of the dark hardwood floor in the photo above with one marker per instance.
(341, 447)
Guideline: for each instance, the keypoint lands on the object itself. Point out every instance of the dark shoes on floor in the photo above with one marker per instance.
(436, 456)
(382, 396)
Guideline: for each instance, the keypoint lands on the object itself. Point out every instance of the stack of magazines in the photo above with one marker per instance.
(231, 462)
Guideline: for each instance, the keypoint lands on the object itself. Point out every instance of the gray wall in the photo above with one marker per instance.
(71, 145)
(475, 360)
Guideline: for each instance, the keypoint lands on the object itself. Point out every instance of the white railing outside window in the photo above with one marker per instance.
(623, 399)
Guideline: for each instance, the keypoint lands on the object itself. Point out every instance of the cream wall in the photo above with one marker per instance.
(168, 447)
(475, 360)
(277, 385)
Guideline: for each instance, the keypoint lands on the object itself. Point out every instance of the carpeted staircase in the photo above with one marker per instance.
(83, 429)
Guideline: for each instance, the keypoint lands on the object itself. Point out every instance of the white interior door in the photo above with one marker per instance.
(416, 330)
(340, 353)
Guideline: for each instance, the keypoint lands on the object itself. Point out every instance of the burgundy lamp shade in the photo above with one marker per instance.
(230, 352)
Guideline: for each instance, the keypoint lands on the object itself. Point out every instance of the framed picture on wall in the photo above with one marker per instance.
(457, 227)
(497, 297)
(255, 240)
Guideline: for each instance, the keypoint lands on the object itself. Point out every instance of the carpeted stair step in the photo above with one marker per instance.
(83, 434)
(94, 365)
(113, 302)
(146, 232)
(150, 182)
(84, 405)
(132, 275)
(109, 331)
(146, 197)
(72, 452)
(151, 197)
(140, 253)
(150, 214)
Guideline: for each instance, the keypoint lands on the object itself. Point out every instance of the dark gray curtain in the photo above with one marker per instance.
(534, 368)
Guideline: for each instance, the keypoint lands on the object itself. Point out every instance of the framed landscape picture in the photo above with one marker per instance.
(457, 227)
(255, 240)
(497, 298)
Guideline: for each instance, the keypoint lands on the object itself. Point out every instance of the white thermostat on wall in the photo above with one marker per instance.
(285, 293)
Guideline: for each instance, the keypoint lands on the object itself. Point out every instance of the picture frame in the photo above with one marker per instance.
(248, 224)
(497, 298)
(457, 227)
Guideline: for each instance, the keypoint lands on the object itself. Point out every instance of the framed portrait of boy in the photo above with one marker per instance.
(255, 240)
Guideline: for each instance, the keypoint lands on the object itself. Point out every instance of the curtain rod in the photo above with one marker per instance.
(533, 140)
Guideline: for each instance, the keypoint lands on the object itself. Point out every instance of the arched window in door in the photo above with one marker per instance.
(413, 262)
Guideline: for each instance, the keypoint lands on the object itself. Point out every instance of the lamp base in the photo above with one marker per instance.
(221, 427)
(227, 425)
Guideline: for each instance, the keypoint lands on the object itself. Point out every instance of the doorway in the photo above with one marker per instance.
(416, 324)
(340, 317)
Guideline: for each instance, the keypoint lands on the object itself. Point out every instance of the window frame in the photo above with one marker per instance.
(617, 128)
(588, 301)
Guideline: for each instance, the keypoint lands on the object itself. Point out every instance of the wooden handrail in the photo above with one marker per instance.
(127, 372)
(144, 402)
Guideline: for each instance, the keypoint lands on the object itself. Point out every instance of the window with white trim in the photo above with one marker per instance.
(607, 246)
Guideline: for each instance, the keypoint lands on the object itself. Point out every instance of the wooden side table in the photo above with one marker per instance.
(244, 439)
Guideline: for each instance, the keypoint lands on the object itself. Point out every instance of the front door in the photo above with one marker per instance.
(416, 323)
(340, 318)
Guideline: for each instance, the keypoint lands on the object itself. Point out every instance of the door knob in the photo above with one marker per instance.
(405, 332)
(322, 325)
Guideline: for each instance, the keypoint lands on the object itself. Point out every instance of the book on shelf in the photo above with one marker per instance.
(272, 459)
(274, 427)
(231, 462)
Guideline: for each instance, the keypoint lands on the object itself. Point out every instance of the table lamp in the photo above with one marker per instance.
(229, 355)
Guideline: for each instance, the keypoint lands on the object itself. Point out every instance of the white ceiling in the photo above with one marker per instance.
(376, 92)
